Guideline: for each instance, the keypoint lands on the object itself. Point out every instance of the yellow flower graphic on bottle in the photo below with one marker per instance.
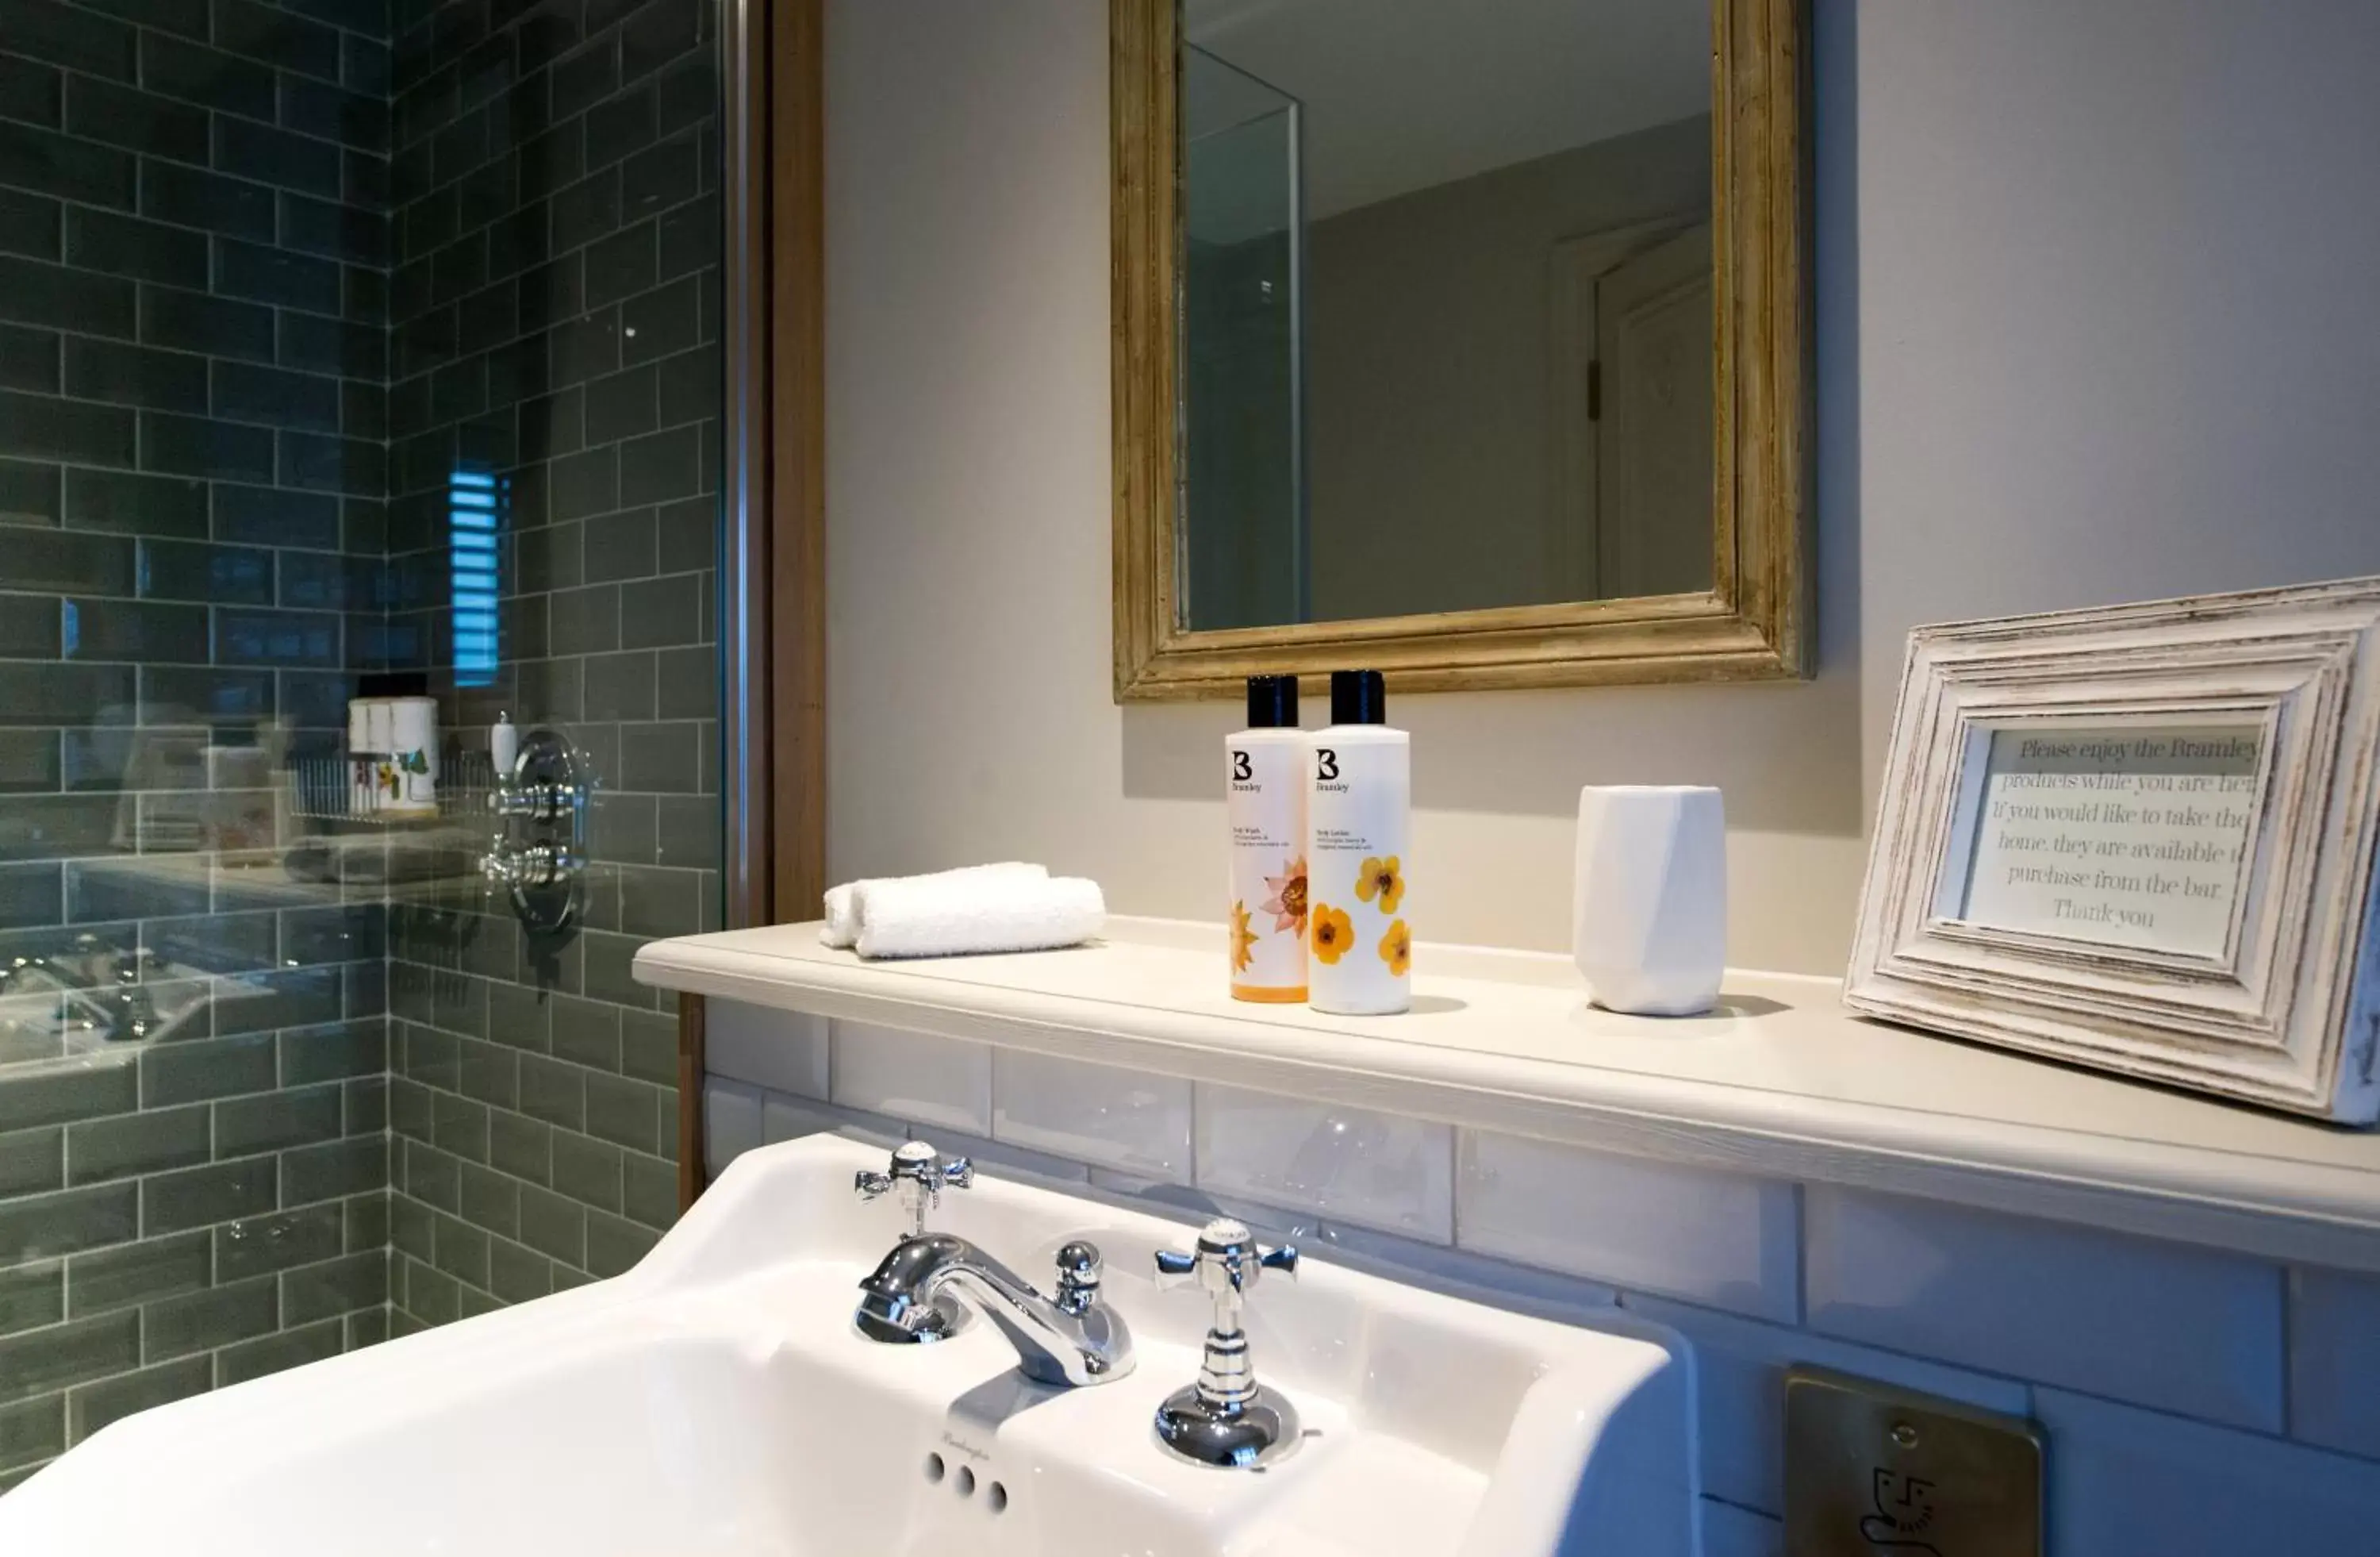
(1333, 932)
(1382, 878)
(1396, 949)
(1243, 938)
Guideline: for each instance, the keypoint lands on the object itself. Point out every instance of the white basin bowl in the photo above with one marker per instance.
(717, 1400)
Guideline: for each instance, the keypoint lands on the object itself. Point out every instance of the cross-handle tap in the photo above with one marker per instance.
(920, 1175)
(1227, 1418)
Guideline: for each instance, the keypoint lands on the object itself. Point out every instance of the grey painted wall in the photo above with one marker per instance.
(2094, 323)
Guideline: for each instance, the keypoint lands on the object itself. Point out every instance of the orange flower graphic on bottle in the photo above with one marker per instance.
(1333, 932)
(1396, 949)
(1287, 904)
(1243, 938)
(1381, 879)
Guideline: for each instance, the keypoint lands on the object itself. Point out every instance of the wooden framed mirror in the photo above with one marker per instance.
(1411, 305)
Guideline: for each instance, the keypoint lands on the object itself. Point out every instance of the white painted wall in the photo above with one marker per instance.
(2095, 322)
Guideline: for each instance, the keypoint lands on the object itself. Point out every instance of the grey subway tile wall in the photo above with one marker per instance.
(187, 1022)
(271, 278)
(548, 332)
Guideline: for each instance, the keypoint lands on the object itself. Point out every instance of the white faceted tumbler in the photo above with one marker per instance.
(1648, 904)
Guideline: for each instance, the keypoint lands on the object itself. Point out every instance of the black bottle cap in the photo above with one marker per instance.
(1358, 697)
(1272, 702)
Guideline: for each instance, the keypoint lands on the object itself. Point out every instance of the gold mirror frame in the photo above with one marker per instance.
(1755, 624)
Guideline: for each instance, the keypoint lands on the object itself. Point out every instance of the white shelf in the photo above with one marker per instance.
(1780, 1082)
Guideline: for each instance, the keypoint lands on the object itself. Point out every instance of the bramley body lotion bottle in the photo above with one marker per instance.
(1266, 806)
(1357, 816)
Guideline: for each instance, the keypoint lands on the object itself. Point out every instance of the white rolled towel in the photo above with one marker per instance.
(941, 918)
(841, 927)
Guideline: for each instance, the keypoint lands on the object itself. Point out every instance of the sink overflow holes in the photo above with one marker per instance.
(995, 1496)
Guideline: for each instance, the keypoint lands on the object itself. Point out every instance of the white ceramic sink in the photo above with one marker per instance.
(717, 1400)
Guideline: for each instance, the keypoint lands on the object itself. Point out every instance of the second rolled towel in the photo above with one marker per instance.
(926, 917)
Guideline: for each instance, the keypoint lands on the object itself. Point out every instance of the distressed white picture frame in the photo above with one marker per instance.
(2287, 1015)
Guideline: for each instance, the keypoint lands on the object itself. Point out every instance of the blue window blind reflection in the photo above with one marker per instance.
(474, 504)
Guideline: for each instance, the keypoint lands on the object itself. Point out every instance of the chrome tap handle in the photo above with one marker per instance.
(920, 1175)
(1226, 1264)
(1226, 1419)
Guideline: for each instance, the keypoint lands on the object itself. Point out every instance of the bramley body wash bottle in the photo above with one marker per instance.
(1357, 815)
(1266, 785)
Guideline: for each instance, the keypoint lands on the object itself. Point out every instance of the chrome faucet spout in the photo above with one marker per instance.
(1071, 1339)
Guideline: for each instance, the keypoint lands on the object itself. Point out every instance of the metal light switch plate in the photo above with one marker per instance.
(1873, 1471)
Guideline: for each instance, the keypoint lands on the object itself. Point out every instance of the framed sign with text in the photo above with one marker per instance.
(2142, 838)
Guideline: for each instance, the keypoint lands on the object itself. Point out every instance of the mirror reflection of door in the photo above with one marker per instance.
(1632, 411)
(1413, 232)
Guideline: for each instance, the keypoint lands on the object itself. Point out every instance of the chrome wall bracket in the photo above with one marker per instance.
(538, 850)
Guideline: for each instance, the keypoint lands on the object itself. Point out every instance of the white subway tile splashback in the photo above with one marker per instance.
(2335, 1360)
(783, 1118)
(916, 1078)
(1740, 1380)
(784, 1051)
(731, 1122)
(1346, 1164)
(1099, 1115)
(2128, 1482)
(1022, 1164)
(1711, 1237)
(2167, 1325)
(1193, 1208)
(1474, 1277)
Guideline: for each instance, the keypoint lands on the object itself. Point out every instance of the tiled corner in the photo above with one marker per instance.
(2166, 1325)
(1717, 1239)
(1347, 1164)
(929, 1082)
(782, 1051)
(1099, 1115)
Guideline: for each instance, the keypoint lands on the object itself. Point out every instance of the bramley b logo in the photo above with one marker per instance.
(1242, 769)
(1326, 763)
